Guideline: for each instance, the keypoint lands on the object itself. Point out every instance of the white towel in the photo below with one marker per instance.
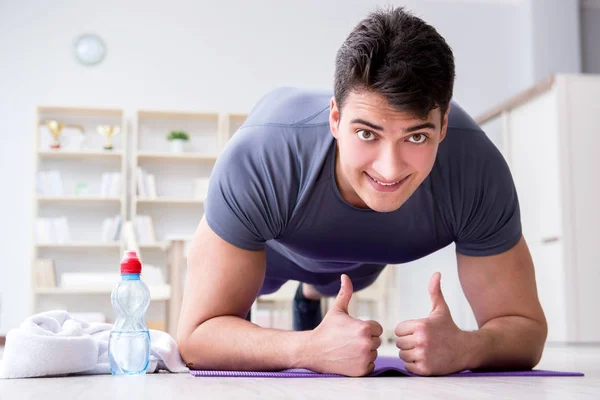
(52, 343)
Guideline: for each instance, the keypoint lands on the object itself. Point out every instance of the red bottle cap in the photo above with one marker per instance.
(130, 264)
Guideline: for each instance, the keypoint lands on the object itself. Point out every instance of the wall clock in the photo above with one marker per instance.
(89, 49)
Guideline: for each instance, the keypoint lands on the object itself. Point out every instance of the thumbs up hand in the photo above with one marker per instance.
(432, 345)
(342, 344)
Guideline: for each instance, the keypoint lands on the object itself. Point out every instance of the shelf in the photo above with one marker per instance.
(81, 111)
(158, 156)
(157, 293)
(178, 115)
(80, 245)
(170, 201)
(237, 115)
(154, 246)
(69, 154)
(78, 199)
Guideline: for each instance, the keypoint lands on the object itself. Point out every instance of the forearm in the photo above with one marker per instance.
(232, 343)
(506, 343)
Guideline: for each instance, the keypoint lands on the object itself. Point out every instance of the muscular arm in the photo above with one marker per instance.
(502, 292)
(221, 284)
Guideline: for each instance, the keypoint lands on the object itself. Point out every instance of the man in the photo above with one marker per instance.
(388, 170)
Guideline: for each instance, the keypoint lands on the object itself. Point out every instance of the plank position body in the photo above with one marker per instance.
(329, 188)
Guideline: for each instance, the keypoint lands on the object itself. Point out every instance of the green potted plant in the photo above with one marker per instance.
(177, 139)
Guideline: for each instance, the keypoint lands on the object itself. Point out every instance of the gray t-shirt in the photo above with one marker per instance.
(274, 187)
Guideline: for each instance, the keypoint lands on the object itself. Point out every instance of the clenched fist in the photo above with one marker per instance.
(342, 344)
(432, 345)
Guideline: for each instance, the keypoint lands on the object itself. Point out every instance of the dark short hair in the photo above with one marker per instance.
(399, 56)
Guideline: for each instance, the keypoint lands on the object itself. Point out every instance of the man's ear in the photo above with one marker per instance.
(445, 124)
(334, 117)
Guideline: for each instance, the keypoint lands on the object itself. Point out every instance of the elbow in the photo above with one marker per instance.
(538, 343)
(184, 349)
(534, 360)
(543, 330)
(196, 348)
(190, 350)
(189, 347)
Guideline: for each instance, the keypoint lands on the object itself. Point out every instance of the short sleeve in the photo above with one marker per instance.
(486, 204)
(247, 202)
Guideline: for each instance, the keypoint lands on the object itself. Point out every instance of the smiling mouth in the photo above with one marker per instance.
(387, 185)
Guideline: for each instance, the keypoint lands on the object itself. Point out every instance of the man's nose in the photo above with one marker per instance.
(389, 164)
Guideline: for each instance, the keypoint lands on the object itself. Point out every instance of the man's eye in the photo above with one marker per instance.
(365, 135)
(417, 138)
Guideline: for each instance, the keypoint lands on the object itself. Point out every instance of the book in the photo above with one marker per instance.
(44, 273)
(111, 229)
(144, 229)
(52, 230)
(151, 185)
(61, 230)
(128, 234)
(49, 183)
(142, 189)
(111, 185)
(146, 184)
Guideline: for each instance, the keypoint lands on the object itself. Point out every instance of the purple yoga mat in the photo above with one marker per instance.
(382, 364)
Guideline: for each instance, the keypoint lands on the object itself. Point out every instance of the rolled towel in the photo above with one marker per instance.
(52, 343)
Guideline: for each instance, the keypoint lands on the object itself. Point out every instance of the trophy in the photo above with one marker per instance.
(55, 128)
(108, 131)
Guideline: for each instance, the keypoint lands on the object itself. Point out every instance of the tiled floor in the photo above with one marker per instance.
(183, 386)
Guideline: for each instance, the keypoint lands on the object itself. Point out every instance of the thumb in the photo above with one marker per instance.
(438, 302)
(344, 295)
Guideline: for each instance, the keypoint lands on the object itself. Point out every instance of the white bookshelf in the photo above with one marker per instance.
(79, 199)
(78, 154)
(158, 156)
(71, 183)
(170, 199)
(175, 208)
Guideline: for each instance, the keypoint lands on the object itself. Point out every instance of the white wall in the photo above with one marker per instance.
(485, 37)
(552, 37)
(203, 55)
(590, 31)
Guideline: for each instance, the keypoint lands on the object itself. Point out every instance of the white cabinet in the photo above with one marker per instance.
(551, 140)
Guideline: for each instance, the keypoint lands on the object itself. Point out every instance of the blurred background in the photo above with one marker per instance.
(145, 71)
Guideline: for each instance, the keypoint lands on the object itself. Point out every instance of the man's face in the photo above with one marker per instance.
(383, 154)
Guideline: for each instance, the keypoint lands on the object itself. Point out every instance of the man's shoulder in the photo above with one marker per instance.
(460, 119)
(288, 126)
(285, 137)
(473, 182)
(464, 160)
(465, 141)
(268, 165)
(291, 106)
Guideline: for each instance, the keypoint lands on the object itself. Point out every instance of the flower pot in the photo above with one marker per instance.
(177, 145)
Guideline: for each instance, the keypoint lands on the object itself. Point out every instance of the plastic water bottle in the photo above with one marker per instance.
(129, 342)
